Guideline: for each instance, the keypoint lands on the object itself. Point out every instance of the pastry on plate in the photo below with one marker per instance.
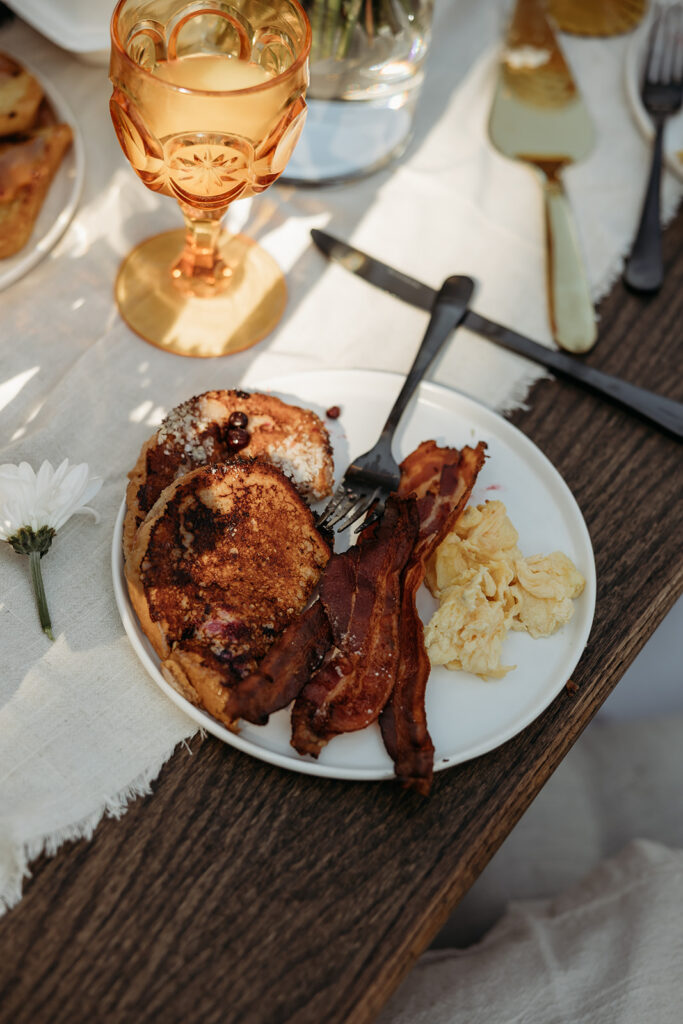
(28, 163)
(217, 425)
(20, 97)
(226, 559)
(32, 146)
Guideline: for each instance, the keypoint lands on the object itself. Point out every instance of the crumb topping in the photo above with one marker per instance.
(187, 430)
(300, 460)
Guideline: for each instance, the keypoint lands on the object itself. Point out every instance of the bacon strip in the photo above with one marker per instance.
(404, 719)
(284, 670)
(363, 639)
(361, 594)
(442, 480)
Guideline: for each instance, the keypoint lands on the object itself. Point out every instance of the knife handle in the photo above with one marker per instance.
(572, 316)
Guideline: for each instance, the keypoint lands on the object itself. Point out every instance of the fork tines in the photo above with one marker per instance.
(345, 507)
(664, 65)
(661, 93)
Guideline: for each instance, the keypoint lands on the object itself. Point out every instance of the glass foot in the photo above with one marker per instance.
(162, 313)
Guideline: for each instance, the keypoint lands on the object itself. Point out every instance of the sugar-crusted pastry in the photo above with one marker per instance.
(216, 425)
(225, 560)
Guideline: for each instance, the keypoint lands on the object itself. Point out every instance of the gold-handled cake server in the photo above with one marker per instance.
(539, 117)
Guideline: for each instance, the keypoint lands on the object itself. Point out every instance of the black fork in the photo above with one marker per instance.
(373, 476)
(662, 92)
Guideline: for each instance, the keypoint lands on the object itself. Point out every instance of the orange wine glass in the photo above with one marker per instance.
(208, 103)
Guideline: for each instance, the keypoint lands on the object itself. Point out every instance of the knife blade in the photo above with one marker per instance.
(539, 117)
(664, 412)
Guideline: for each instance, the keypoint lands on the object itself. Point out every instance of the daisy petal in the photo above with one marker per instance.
(46, 498)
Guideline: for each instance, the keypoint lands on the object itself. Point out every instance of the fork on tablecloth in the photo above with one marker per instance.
(661, 93)
(373, 476)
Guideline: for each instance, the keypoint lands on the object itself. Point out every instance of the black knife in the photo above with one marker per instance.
(664, 412)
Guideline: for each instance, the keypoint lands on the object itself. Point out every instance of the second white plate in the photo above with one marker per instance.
(62, 197)
(81, 26)
(467, 716)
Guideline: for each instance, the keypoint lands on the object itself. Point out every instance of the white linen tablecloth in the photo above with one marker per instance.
(83, 728)
(606, 951)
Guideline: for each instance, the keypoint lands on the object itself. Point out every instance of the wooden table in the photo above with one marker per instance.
(240, 892)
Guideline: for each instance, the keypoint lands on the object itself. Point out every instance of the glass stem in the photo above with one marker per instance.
(39, 591)
(200, 270)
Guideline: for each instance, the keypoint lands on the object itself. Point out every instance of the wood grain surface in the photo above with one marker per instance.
(239, 892)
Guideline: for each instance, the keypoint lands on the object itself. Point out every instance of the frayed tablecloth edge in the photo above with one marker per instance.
(11, 887)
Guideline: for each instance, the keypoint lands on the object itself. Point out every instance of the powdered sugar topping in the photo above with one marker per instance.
(302, 461)
(186, 429)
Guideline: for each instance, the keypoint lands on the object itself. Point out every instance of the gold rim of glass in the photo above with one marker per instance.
(290, 71)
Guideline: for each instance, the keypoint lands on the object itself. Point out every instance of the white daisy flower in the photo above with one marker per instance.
(33, 506)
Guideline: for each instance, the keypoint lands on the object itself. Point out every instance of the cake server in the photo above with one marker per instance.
(539, 117)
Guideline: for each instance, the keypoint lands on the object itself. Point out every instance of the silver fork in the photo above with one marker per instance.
(661, 92)
(372, 477)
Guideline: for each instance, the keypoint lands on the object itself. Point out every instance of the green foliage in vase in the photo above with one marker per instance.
(334, 23)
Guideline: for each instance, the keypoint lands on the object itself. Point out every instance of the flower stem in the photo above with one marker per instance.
(39, 591)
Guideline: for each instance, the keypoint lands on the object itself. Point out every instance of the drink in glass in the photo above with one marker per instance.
(208, 102)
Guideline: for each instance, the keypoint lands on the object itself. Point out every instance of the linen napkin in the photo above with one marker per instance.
(82, 727)
(607, 950)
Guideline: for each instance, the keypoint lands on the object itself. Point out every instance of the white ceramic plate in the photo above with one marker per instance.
(467, 716)
(62, 197)
(80, 26)
(673, 132)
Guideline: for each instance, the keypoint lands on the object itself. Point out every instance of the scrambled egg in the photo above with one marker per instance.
(485, 587)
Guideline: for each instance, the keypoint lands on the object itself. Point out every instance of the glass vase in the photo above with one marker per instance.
(366, 71)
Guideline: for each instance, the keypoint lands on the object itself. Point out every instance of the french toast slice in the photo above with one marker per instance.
(198, 432)
(225, 560)
(28, 164)
(20, 97)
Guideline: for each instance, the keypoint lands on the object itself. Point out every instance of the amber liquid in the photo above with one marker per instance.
(221, 157)
(211, 72)
(207, 104)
